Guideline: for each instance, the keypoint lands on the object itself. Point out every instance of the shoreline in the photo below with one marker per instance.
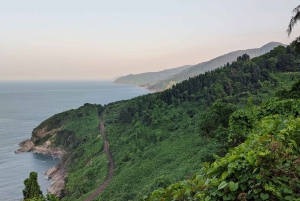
(146, 87)
(141, 86)
(57, 173)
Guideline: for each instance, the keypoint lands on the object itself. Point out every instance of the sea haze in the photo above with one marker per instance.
(24, 105)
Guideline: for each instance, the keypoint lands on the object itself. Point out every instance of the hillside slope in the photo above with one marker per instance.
(209, 65)
(149, 77)
(265, 166)
(161, 138)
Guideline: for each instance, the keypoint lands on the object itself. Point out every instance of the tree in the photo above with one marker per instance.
(244, 57)
(292, 23)
(32, 191)
(32, 187)
(49, 197)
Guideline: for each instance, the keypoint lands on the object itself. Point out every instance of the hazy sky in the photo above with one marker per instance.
(73, 39)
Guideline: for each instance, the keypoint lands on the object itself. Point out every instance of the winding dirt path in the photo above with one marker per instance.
(111, 164)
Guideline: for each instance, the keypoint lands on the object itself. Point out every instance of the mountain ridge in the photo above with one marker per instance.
(148, 77)
(209, 65)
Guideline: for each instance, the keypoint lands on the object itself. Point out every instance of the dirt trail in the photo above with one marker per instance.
(111, 164)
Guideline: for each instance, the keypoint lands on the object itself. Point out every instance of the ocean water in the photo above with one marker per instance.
(24, 105)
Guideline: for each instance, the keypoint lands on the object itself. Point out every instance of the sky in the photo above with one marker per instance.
(94, 40)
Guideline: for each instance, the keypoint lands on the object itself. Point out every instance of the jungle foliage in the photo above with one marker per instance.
(263, 167)
(32, 191)
(170, 134)
(162, 138)
(84, 161)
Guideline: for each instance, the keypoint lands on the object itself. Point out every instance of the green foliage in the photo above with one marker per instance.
(32, 187)
(182, 127)
(244, 57)
(32, 190)
(55, 121)
(86, 164)
(172, 133)
(209, 66)
(264, 167)
(243, 121)
(294, 92)
(49, 197)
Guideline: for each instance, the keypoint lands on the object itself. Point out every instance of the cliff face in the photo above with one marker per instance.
(45, 148)
(57, 173)
(72, 134)
(41, 133)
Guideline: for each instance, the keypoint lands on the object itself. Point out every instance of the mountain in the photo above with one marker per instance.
(161, 138)
(114, 78)
(149, 77)
(255, 169)
(209, 65)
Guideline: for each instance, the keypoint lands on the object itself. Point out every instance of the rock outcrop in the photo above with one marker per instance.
(25, 146)
(58, 175)
(46, 149)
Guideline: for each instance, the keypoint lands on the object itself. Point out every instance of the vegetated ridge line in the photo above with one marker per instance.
(111, 163)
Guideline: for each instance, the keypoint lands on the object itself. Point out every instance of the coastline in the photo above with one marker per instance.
(57, 173)
(145, 86)
(28, 146)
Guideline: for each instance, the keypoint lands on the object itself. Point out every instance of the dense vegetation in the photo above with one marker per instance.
(32, 191)
(266, 166)
(209, 66)
(164, 137)
(161, 138)
(85, 161)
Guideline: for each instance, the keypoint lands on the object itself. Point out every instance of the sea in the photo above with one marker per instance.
(24, 105)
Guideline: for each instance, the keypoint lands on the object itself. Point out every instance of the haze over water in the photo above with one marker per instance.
(24, 105)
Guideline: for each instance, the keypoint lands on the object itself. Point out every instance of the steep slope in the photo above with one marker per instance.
(161, 138)
(263, 167)
(209, 65)
(144, 78)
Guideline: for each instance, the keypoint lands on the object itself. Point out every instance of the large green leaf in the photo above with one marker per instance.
(233, 186)
(264, 196)
(222, 185)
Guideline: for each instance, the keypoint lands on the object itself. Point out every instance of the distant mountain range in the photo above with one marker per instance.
(158, 81)
(149, 77)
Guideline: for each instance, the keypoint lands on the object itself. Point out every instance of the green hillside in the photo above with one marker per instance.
(162, 138)
(149, 77)
(210, 65)
(264, 165)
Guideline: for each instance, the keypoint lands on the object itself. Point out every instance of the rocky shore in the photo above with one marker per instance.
(57, 173)
(46, 149)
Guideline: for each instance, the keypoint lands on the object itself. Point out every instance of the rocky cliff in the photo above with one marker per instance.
(57, 173)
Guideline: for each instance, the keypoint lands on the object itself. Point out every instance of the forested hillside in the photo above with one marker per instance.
(264, 165)
(161, 138)
(149, 77)
(210, 65)
(164, 137)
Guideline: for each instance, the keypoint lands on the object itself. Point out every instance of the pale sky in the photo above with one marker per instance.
(73, 40)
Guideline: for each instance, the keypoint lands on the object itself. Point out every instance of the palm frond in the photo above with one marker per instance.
(294, 20)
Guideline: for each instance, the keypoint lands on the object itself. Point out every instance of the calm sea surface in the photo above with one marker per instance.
(24, 105)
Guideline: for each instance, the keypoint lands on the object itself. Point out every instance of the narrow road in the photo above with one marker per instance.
(111, 164)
